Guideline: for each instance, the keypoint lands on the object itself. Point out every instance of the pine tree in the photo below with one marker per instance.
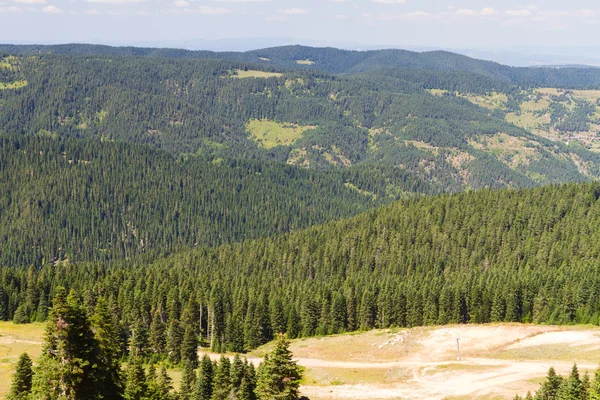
(20, 388)
(107, 335)
(153, 392)
(221, 385)
(551, 386)
(174, 340)
(594, 391)
(164, 384)
(135, 386)
(203, 389)
(279, 376)
(158, 335)
(67, 366)
(188, 381)
(138, 344)
(248, 384)
(189, 346)
(237, 373)
(572, 388)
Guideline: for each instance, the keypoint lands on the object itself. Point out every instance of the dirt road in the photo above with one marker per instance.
(498, 361)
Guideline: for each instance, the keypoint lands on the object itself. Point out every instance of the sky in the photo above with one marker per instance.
(509, 25)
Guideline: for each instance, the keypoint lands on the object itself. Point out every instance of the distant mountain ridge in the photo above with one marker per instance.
(337, 61)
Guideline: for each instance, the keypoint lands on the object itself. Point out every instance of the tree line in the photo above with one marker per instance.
(82, 200)
(488, 256)
(81, 358)
(573, 387)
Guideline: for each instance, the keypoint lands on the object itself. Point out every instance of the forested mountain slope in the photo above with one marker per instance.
(527, 255)
(86, 200)
(339, 61)
(228, 109)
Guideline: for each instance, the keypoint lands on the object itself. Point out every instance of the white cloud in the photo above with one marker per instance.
(488, 11)
(519, 13)
(412, 16)
(293, 11)
(91, 11)
(389, 1)
(181, 3)
(52, 10)
(274, 18)
(116, 1)
(340, 17)
(207, 10)
(10, 9)
(29, 1)
(242, 1)
(469, 12)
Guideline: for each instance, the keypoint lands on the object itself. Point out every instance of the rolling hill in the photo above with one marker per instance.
(230, 109)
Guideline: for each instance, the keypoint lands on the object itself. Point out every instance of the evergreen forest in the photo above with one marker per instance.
(154, 201)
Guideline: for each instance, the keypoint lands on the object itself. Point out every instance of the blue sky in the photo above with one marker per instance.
(394, 23)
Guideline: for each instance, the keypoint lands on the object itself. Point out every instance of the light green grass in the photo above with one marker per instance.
(269, 134)
(361, 191)
(5, 65)
(555, 352)
(255, 74)
(14, 340)
(305, 62)
(13, 85)
(350, 376)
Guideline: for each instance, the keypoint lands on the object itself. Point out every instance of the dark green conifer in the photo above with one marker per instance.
(20, 388)
(279, 376)
(67, 367)
(204, 383)
(158, 335)
(189, 346)
(135, 386)
(174, 341)
(188, 380)
(221, 385)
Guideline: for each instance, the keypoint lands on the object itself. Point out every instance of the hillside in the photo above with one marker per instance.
(477, 257)
(228, 109)
(85, 200)
(337, 61)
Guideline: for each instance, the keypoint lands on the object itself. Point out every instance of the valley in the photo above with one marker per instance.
(358, 211)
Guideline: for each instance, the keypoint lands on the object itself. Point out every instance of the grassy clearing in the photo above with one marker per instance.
(512, 151)
(349, 376)
(13, 85)
(305, 62)
(457, 367)
(361, 191)
(241, 74)
(558, 352)
(491, 101)
(269, 134)
(15, 340)
(437, 92)
(373, 346)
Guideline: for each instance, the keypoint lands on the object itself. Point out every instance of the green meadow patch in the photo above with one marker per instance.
(13, 85)
(269, 134)
(240, 73)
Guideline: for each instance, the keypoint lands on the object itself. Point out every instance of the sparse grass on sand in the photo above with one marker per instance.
(16, 339)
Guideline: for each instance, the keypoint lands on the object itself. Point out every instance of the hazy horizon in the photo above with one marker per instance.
(463, 24)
